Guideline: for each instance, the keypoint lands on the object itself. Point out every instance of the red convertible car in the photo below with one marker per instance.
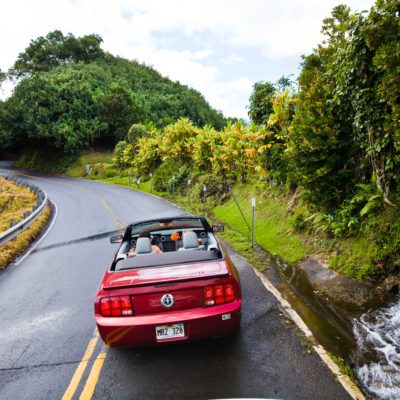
(169, 281)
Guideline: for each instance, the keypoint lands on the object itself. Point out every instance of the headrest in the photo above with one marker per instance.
(143, 246)
(190, 240)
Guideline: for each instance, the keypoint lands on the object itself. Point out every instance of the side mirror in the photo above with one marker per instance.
(116, 239)
(218, 228)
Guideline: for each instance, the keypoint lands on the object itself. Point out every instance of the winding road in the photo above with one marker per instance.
(49, 348)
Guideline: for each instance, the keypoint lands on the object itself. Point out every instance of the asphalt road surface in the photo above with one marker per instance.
(49, 347)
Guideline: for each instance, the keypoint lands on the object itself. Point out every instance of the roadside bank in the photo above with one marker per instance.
(18, 202)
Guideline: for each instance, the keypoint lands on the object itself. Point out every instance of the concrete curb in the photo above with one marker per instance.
(346, 382)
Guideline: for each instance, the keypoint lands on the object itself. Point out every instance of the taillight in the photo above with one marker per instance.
(209, 296)
(116, 306)
(218, 294)
(229, 293)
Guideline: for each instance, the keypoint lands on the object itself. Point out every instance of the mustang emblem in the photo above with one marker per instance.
(167, 300)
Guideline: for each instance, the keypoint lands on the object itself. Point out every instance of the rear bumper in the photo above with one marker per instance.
(199, 324)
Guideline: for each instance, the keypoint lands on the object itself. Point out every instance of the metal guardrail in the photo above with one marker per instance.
(25, 223)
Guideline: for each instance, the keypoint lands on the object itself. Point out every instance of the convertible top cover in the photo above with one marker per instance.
(161, 259)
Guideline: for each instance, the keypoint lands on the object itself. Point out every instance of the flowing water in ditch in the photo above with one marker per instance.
(370, 341)
(378, 351)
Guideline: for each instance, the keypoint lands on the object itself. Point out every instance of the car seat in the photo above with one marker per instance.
(143, 246)
(190, 242)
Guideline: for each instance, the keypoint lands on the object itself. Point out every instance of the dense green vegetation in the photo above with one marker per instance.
(330, 146)
(346, 128)
(71, 95)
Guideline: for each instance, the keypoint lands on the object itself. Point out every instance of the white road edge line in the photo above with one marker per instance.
(42, 237)
(346, 382)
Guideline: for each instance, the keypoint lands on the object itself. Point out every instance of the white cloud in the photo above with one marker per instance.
(232, 59)
(278, 28)
(134, 29)
(202, 54)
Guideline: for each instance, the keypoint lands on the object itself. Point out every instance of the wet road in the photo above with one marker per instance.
(49, 347)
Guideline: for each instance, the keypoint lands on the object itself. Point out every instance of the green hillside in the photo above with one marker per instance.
(72, 95)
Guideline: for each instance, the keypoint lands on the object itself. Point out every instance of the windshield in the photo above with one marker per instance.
(168, 225)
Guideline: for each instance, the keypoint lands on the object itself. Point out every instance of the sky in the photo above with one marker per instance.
(218, 47)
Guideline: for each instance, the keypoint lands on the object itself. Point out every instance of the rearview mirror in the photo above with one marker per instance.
(116, 239)
(218, 228)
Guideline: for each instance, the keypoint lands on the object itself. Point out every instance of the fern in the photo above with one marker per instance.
(372, 204)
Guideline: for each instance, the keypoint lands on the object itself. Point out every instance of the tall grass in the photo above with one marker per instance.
(14, 202)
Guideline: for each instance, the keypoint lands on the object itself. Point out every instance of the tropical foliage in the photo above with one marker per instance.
(233, 153)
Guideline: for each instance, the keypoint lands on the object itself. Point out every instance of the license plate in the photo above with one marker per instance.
(170, 331)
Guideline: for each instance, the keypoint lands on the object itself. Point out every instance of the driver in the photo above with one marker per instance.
(154, 248)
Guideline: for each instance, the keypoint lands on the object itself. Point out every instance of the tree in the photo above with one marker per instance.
(46, 53)
(344, 131)
(360, 79)
(3, 77)
(4, 134)
(119, 109)
(260, 106)
(317, 162)
(382, 38)
(284, 82)
(277, 138)
(59, 109)
(321, 148)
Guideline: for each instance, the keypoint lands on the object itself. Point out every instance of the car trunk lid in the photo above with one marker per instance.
(165, 274)
(162, 301)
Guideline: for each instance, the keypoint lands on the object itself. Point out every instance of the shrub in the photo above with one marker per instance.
(168, 174)
(121, 155)
(216, 187)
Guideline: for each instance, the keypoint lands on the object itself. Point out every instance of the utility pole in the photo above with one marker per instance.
(204, 198)
(253, 207)
(189, 182)
(151, 182)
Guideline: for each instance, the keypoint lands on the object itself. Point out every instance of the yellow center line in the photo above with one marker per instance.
(115, 216)
(93, 378)
(113, 213)
(94, 374)
(69, 393)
